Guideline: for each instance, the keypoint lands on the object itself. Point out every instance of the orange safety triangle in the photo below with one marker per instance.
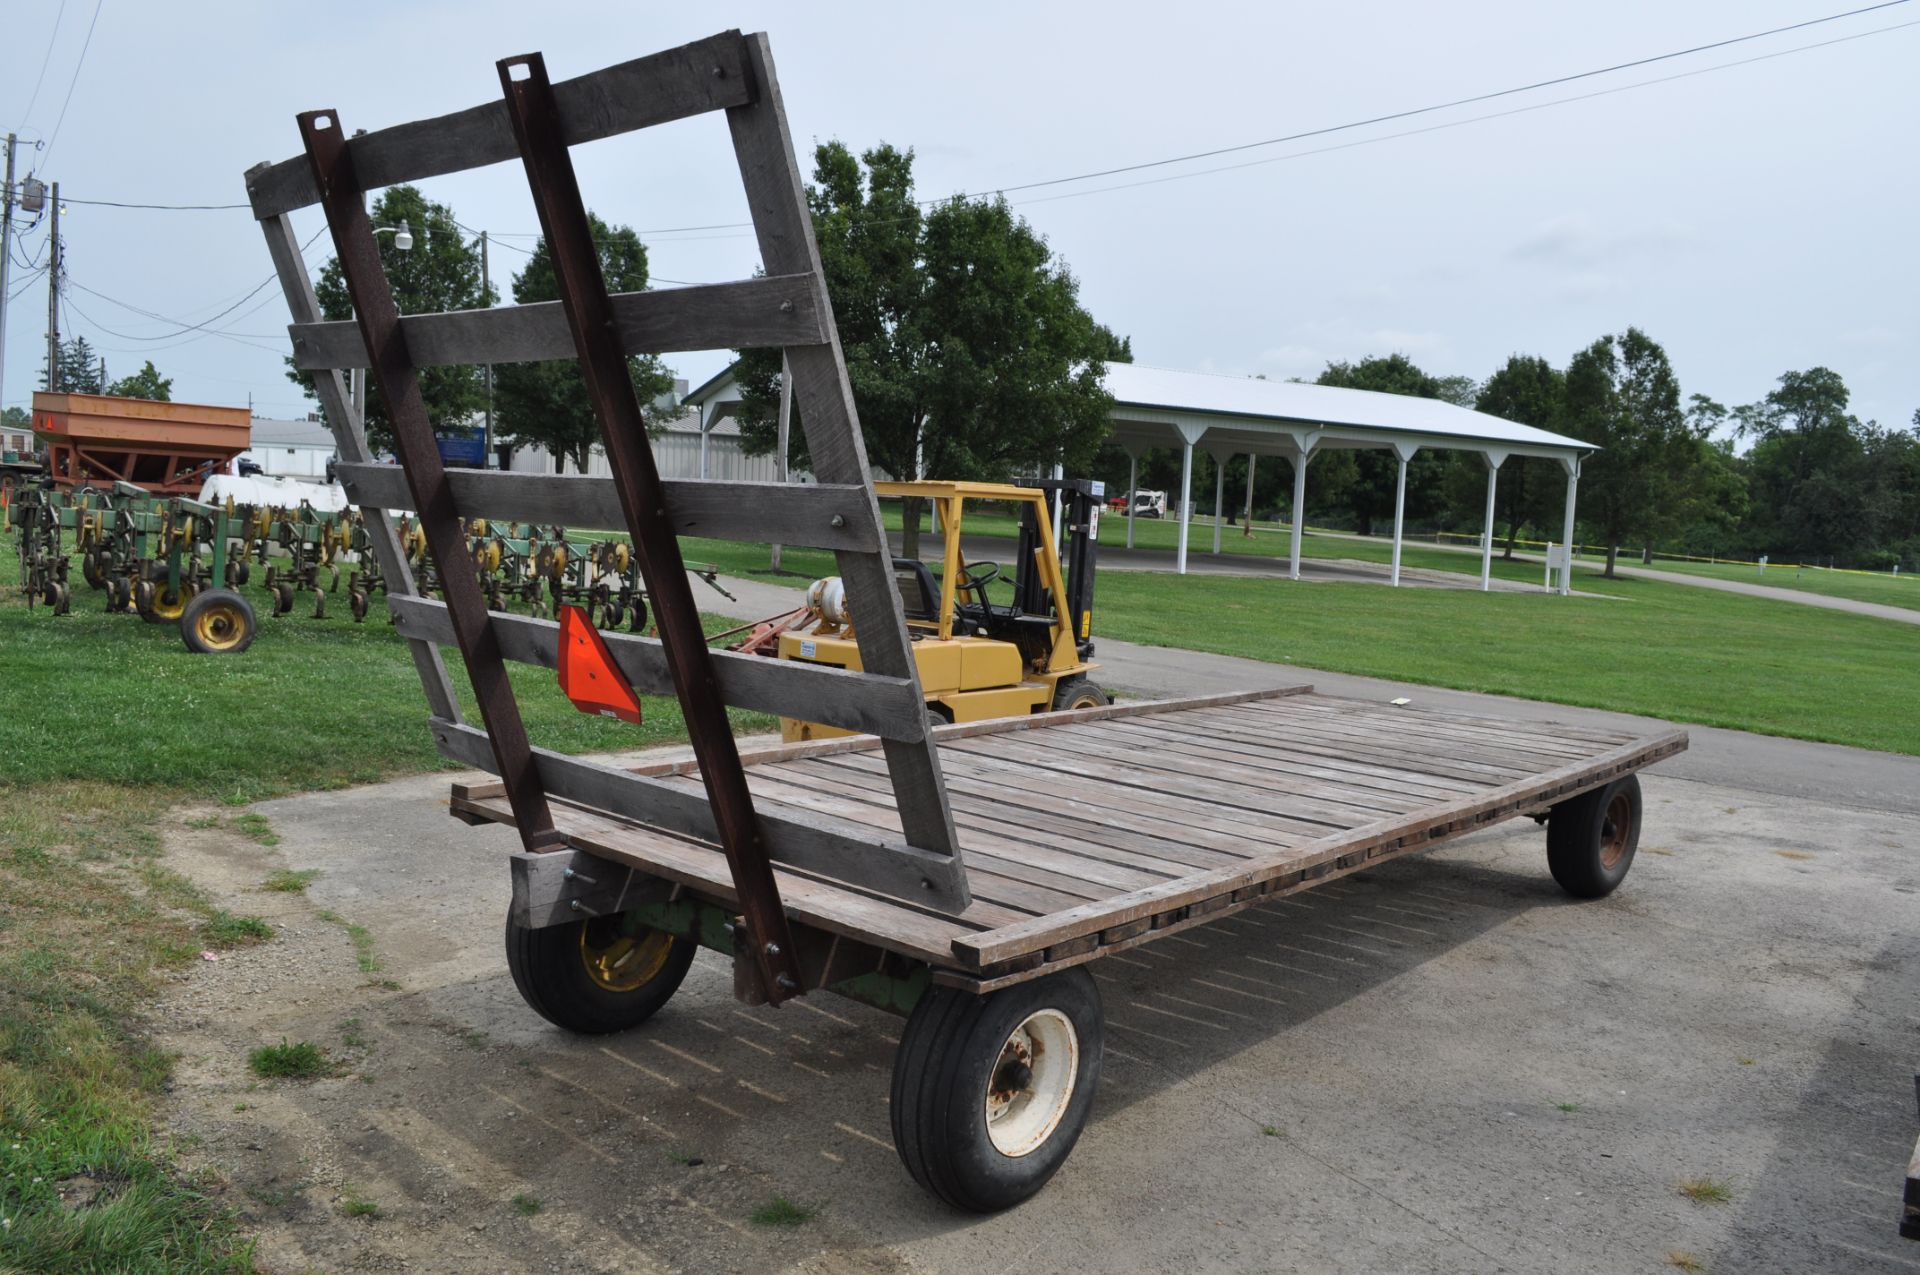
(588, 675)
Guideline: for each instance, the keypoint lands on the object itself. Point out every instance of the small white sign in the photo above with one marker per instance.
(1558, 559)
(807, 650)
(1093, 524)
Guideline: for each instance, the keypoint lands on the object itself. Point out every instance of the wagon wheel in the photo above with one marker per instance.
(990, 1092)
(1078, 692)
(56, 597)
(166, 605)
(599, 975)
(218, 622)
(237, 572)
(615, 614)
(1591, 838)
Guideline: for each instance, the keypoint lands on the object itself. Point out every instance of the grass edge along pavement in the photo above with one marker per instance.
(110, 723)
(1671, 651)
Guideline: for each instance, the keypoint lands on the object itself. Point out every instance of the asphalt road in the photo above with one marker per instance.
(1441, 1065)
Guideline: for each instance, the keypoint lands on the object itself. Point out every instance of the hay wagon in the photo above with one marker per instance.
(961, 876)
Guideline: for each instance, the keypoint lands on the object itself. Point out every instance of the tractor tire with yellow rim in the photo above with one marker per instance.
(1076, 693)
(218, 622)
(599, 975)
(164, 605)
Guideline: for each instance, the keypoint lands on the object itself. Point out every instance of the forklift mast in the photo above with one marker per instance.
(1079, 535)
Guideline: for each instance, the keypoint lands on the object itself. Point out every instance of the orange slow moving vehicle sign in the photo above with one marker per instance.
(588, 675)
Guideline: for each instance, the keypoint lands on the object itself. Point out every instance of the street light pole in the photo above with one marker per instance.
(486, 290)
(53, 299)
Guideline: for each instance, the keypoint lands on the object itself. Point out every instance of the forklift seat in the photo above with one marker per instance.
(919, 598)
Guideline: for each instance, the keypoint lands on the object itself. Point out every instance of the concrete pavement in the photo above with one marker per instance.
(1443, 1065)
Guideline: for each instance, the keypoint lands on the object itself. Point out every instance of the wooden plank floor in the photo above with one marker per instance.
(1081, 836)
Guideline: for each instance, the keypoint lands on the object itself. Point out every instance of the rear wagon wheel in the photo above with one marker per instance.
(1591, 838)
(990, 1093)
(597, 975)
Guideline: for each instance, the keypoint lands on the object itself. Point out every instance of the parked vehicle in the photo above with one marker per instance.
(1149, 504)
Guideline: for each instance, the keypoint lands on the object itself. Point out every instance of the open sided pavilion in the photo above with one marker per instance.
(1229, 415)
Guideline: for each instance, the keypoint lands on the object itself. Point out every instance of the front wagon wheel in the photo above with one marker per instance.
(991, 1092)
(1591, 838)
(597, 975)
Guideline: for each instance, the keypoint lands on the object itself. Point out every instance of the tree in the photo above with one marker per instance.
(968, 351)
(1813, 485)
(440, 272)
(78, 371)
(16, 418)
(1623, 397)
(1374, 474)
(146, 383)
(546, 404)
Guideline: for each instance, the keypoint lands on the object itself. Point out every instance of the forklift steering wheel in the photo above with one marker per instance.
(975, 576)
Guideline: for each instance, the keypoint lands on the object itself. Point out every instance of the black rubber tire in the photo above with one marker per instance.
(282, 598)
(231, 636)
(1074, 692)
(553, 980)
(92, 572)
(637, 618)
(940, 1076)
(1587, 849)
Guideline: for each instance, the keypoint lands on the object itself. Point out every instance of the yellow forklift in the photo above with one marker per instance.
(1027, 651)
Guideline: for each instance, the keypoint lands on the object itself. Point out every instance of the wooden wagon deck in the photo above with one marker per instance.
(1092, 832)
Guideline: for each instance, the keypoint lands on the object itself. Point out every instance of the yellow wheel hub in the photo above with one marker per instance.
(621, 962)
(170, 606)
(220, 627)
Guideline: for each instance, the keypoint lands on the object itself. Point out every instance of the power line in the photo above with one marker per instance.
(1474, 119)
(1442, 106)
(85, 45)
(45, 61)
(115, 203)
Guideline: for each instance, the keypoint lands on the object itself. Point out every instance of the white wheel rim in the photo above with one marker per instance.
(1032, 1082)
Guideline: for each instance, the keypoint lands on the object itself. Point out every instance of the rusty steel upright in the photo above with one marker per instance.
(603, 364)
(413, 440)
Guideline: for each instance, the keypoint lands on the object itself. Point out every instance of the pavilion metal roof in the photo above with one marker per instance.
(1242, 408)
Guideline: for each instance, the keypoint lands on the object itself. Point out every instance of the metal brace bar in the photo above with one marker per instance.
(379, 318)
(603, 364)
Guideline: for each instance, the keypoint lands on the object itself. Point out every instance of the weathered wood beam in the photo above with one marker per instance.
(866, 702)
(707, 75)
(821, 515)
(844, 852)
(751, 313)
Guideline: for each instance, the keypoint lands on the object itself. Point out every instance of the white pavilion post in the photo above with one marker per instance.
(1219, 498)
(1495, 457)
(704, 427)
(1572, 465)
(1299, 506)
(1404, 452)
(1186, 504)
(1133, 481)
(1248, 520)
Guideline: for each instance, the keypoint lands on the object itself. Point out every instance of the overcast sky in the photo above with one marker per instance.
(1752, 219)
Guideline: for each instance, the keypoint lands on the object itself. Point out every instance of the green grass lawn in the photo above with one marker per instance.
(1272, 540)
(108, 723)
(1650, 647)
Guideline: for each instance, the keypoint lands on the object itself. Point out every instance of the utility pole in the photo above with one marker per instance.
(6, 257)
(53, 299)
